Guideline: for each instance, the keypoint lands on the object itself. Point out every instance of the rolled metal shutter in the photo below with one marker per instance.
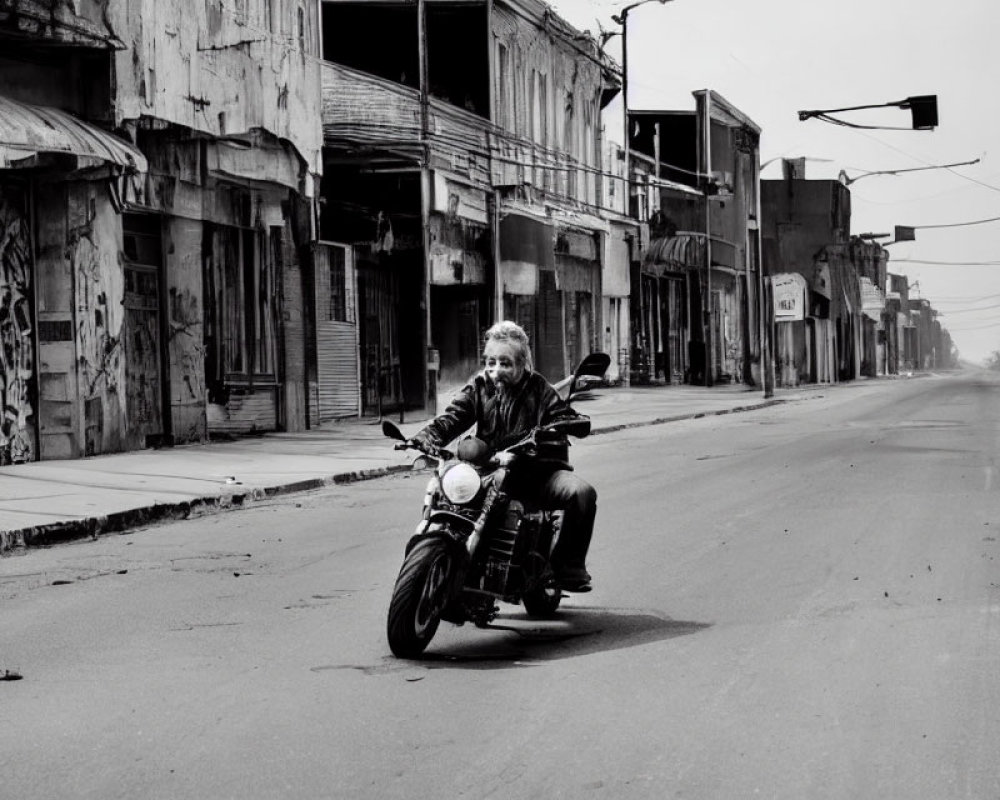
(337, 385)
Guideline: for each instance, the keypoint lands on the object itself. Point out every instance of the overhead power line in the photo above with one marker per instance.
(956, 224)
(946, 263)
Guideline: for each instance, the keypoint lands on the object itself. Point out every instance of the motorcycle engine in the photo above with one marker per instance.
(507, 548)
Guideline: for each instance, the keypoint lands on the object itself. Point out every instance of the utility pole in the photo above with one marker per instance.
(429, 389)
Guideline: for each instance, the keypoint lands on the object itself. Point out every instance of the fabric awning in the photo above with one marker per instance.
(29, 129)
(683, 251)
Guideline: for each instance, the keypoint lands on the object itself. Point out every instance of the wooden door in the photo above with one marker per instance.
(141, 336)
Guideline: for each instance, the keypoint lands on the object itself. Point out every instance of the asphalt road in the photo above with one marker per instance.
(797, 602)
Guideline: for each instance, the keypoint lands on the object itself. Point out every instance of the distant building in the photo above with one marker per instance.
(696, 295)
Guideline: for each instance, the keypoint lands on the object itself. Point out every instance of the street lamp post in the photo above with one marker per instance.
(923, 110)
(621, 18)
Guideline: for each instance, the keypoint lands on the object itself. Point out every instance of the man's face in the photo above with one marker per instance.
(502, 365)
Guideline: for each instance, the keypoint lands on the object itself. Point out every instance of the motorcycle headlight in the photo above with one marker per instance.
(460, 484)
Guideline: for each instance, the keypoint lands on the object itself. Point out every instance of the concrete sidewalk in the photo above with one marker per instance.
(51, 501)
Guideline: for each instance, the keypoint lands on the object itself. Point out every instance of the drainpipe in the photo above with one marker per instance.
(707, 300)
(766, 364)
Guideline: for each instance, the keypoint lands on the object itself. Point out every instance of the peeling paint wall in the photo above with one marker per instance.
(222, 68)
(185, 335)
(17, 367)
(93, 247)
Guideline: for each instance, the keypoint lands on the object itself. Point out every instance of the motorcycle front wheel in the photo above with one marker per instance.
(419, 596)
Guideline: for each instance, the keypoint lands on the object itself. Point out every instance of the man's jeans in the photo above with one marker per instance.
(566, 491)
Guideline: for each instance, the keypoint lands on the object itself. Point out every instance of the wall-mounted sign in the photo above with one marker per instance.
(789, 292)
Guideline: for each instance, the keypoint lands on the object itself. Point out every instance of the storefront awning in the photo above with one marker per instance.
(28, 130)
(680, 252)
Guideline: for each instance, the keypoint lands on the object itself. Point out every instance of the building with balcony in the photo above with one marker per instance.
(462, 161)
(696, 296)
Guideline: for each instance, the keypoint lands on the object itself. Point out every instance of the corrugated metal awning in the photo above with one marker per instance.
(28, 129)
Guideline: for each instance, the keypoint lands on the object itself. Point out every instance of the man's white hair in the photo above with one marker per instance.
(513, 334)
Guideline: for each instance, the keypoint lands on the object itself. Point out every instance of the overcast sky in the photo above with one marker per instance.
(771, 58)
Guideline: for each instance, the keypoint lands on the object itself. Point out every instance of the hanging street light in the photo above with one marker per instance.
(621, 18)
(923, 112)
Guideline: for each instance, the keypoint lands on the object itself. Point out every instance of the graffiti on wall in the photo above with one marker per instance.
(17, 372)
(92, 247)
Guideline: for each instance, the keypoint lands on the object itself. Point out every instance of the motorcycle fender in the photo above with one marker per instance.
(444, 529)
(455, 543)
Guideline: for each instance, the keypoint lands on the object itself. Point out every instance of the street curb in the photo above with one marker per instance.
(92, 527)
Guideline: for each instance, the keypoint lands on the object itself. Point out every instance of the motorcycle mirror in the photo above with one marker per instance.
(590, 370)
(573, 427)
(390, 430)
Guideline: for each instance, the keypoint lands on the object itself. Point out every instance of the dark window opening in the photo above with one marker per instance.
(457, 58)
(374, 38)
(678, 143)
(380, 210)
(383, 40)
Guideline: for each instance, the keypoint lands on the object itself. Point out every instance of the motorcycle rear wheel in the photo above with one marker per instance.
(419, 596)
(542, 602)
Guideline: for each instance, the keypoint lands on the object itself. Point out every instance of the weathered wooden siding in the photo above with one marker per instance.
(220, 67)
(185, 329)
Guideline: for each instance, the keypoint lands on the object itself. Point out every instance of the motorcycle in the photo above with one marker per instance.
(476, 545)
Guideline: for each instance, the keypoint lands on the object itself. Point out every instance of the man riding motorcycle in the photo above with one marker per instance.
(506, 401)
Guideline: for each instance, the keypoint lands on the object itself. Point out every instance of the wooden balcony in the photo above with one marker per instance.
(367, 117)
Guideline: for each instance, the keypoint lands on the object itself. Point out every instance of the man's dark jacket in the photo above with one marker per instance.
(501, 421)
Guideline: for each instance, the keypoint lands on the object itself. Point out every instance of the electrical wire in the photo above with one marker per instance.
(946, 263)
(970, 310)
(956, 224)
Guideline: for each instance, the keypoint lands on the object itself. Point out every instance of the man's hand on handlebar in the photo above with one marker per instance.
(504, 458)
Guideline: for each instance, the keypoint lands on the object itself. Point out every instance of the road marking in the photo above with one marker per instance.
(989, 478)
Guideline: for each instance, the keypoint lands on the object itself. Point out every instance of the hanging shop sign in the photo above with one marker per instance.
(789, 292)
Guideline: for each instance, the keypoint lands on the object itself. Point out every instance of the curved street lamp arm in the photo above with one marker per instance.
(847, 180)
